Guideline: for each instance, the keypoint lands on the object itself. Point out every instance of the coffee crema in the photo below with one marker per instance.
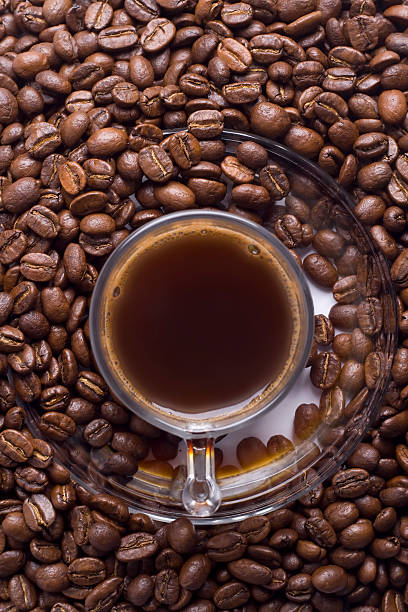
(200, 319)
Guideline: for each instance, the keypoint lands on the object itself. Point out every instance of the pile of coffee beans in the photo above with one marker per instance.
(86, 89)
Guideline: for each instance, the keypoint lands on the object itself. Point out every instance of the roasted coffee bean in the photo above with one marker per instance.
(324, 331)
(329, 579)
(167, 588)
(155, 163)
(307, 419)
(12, 246)
(104, 537)
(86, 571)
(250, 571)
(358, 535)
(320, 270)
(11, 339)
(351, 483)
(63, 496)
(15, 445)
(325, 370)
(30, 479)
(98, 433)
(205, 123)
(38, 512)
(344, 316)
(136, 546)
(58, 427)
(22, 592)
(91, 386)
(44, 552)
(226, 547)
(11, 561)
(38, 267)
(104, 595)
(235, 171)
(185, 150)
(254, 528)
(231, 595)
(140, 589)
(321, 532)
(175, 196)
(53, 577)
(42, 453)
(72, 177)
(274, 179)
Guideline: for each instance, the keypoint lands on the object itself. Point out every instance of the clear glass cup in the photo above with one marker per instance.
(201, 495)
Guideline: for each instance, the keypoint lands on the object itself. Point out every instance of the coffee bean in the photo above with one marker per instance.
(250, 571)
(343, 316)
(157, 35)
(91, 386)
(140, 590)
(357, 535)
(394, 425)
(351, 483)
(181, 535)
(320, 270)
(15, 445)
(329, 579)
(307, 419)
(11, 561)
(374, 176)
(11, 339)
(107, 141)
(98, 433)
(270, 120)
(325, 370)
(226, 547)
(12, 246)
(166, 590)
(205, 123)
(324, 332)
(44, 551)
(37, 267)
(274, 179)
(22, 592)
(391, 105)
(104, 537)
(231, 595)
(175, 196)
(104, 595)
(321, 532)
(53, 577)
(185, 150)
(38, 512)
(58, 427)
(136, 546)
(86, 571)
(254, 528)
(155, 163)
(42, 453)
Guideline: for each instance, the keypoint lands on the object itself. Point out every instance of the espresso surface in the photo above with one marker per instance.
(201, 321)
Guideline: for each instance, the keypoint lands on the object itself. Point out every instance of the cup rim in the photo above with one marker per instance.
(120, 392)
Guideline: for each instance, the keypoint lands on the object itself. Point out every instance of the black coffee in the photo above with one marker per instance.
(200, 320)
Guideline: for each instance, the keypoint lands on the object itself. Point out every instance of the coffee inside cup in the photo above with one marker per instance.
(200, 319)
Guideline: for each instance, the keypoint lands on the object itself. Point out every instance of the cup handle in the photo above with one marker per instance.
(201, 495)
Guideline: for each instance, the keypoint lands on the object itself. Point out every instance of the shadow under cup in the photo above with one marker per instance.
(201, 495)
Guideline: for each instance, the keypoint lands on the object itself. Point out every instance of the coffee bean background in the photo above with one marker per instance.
(86, 89)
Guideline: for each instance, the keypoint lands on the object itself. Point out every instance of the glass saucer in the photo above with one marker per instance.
(290, 451)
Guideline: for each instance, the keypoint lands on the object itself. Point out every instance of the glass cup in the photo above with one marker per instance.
(201, 495)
